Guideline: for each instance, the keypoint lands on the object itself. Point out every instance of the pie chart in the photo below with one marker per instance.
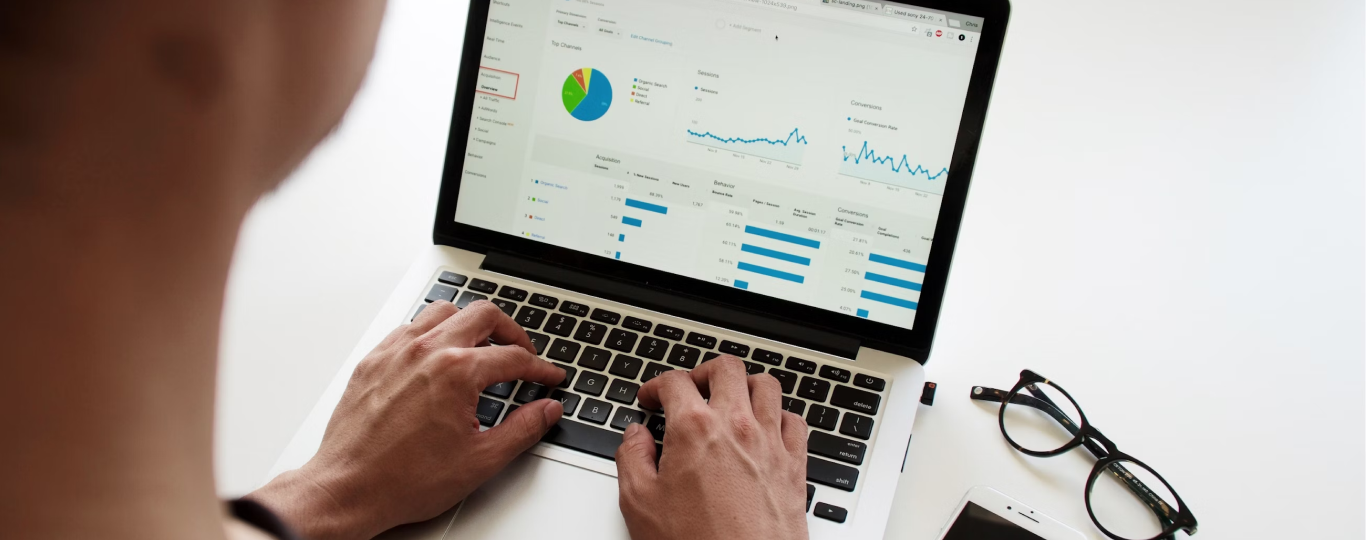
(587, 94)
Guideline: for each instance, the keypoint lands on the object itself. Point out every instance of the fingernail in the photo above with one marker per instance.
(633, 428)
(553, 411)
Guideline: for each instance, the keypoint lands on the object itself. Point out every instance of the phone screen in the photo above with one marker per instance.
(977, 523)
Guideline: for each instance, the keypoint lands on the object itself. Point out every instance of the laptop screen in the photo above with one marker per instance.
(797, 149)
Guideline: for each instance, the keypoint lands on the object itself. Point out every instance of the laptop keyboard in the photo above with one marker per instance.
(607, 356)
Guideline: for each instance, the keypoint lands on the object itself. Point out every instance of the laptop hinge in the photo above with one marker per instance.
(678, 305)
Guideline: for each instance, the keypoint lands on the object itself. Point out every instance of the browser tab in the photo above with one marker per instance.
(916, 15)
(859, 5)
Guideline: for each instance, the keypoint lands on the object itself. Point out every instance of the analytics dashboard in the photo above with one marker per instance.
(797, 149)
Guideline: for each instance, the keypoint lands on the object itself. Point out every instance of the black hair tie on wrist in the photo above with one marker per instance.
(252, 513)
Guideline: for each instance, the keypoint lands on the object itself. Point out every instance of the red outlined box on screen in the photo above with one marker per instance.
(496, 82)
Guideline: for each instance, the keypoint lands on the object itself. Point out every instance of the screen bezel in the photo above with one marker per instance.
(914, 343)
(1012, 511)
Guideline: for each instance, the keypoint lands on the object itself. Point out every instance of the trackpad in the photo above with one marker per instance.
(534, 496)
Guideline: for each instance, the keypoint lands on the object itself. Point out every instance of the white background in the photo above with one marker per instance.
(1166, 217)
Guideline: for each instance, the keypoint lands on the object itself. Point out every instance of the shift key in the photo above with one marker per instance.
(831, 474)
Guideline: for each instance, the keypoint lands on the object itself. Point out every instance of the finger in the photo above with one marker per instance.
(636, 469)
(766, 398)
(671, 392)
(435, 312)
(489, 365)
(794, 435)
(519, 432)
(474, 325)
(724, 380)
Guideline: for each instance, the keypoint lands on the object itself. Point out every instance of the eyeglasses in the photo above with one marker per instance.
(1126, 499)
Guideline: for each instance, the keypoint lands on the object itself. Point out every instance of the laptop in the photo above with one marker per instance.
(645, 185)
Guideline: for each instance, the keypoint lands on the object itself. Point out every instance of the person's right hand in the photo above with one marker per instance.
(733, 468)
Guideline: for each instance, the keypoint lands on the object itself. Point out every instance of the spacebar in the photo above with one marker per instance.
(584, 438)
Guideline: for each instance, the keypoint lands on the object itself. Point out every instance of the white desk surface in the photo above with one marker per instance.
(1166, 218)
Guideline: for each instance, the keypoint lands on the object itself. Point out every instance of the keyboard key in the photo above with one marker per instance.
(797, 364)
(870, 382)
(541, 300)
(813, 389)
(835, 374)
(488, 410)
(810, 492)
(441, 292)
(653, 370)
(604, 316)
(621, 340)
(584, 438)
(452, 278)
(753, 368)
(786, 378)
(590, 332)
(831, 474)
(502, 389)
(830, 512)
(684, 356)
(624, 417)
(855, 399)
(666, 331)
(822, 417)
(530, 392)
(510, 408)
(709, 356)
(574, 308)
(483, 286)
(563, 350)
(701, 340)
(624, 392)
(469, 297)
(569, 372)
(639, 325)
(508, 306)
(656, 427)
(857, 426)
(540, 341)
(568, 400)
(731, 347)
(836, 448)
(652, 348)
(530, 317)
(768, 357)
(595, 358)
(596, 412)
(794, 406)
(626, 366)
(512, 293)
(418, 312)
(561, 325)
(591, 383)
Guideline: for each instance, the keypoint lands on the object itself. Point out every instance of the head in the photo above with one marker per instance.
(145, 101)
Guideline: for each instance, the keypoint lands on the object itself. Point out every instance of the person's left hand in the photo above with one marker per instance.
(403, 444)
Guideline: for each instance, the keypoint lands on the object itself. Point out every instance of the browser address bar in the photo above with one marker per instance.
(887, 16)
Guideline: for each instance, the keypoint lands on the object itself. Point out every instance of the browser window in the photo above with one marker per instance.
(792, 148)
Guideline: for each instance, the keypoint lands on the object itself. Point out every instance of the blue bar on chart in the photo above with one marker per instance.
(621, 238)
(741, 284)
(772, 254)
(618, 255)
(883, 259)
(891, 301)
(870, 276)
(863, 313)
(648, 207)
(771, 272)
(630, 221)
(814, 244)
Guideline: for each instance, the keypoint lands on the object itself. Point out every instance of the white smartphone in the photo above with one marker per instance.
(987, 514)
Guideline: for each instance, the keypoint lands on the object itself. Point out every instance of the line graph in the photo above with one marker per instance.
(868, 165)
(789, 149)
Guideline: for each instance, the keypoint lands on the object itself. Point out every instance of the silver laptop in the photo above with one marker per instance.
(645, 185)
